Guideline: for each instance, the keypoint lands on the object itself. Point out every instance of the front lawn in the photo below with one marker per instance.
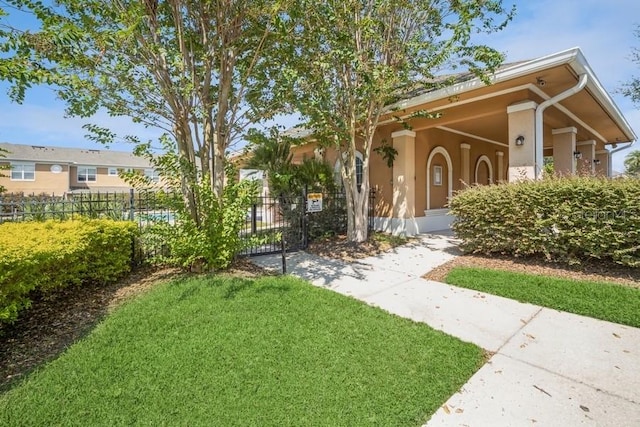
(606, 301)
(225, 351)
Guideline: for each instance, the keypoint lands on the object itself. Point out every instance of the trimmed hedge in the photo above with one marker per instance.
(48, 255)
(565, 219)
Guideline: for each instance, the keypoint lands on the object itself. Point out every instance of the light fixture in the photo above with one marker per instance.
(596, 161)
(540, 81)
(520, 140)
(577, 155)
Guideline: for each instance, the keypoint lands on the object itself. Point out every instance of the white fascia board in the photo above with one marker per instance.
(572, 57)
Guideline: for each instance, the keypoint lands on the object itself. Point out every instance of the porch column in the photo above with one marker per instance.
(499, 167)
(404, 174)
(465, 149)
(522, 149)
(564, 147)
(588, 151)
(602, 163)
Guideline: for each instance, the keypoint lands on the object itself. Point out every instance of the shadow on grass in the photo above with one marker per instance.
(58, 319)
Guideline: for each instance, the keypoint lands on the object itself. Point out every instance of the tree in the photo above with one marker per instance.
(272, 154)
(349, 59)
(632, 163)
(194, 69)
(3, 153)
(632, 88)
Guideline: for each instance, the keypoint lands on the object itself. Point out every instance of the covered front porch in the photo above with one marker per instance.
(550, 115)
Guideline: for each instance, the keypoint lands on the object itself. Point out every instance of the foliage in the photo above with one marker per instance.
(600, 300)
(195, 70)
(47, 255)
(632, 164)
(632, 88)
(348, 61)
(272, 153)
(564, 219)
(214, 240)
(3, 167)
(227, 351)
(387, 152)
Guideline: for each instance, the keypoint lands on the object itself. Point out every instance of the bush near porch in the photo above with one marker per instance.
(42, 256)
(564, 219)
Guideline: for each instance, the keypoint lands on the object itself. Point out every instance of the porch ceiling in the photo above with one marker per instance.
(481, 110)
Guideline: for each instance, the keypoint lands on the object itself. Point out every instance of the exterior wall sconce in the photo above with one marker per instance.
(577, 155)
(520, 140)
(596, 161)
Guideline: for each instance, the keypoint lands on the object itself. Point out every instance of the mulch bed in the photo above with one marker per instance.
(57, 320)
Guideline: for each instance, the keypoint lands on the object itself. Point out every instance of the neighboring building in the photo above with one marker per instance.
(36, 169)
(552, 107)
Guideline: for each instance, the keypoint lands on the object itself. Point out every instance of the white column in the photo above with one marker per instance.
(465, 150)
(500, 167)
(522, 147)
(564, 147)
(587, 150)
(404, 174)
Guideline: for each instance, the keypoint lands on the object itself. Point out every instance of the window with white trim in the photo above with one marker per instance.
(87, 174)
(359, 170)
(152, 174)
(112, 172)
(23, 171)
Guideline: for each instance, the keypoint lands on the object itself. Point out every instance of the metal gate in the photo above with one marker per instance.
(277, 223)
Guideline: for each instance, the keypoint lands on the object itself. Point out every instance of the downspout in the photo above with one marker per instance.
(538, 140)
(610, 157)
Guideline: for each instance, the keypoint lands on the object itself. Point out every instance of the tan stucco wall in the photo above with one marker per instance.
(103, 179)
(45, 181)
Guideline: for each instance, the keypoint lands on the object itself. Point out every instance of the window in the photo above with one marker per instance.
(87, 174)
(112, 172)
(338, 174)
(152, 174)
(23, 171)
(437, 176)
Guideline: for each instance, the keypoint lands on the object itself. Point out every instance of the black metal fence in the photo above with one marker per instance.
(140, 206)
(274, 221)
(270, 222)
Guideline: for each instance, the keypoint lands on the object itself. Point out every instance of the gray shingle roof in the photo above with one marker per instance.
(80, 156)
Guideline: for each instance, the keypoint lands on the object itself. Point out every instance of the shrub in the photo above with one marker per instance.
(565, 219)
(48, 255)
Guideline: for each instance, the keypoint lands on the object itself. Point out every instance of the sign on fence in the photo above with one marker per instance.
(314, 202)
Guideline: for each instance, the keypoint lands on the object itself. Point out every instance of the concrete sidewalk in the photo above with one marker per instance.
(548, 367)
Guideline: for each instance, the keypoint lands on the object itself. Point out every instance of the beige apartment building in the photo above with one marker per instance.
(36, 169)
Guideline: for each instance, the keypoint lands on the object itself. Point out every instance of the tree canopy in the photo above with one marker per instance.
(348, 60)
(632, 163)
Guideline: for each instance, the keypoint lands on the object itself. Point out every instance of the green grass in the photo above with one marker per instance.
(606, 301)
(222, 351)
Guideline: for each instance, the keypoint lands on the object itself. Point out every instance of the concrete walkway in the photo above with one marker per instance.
(548, 368)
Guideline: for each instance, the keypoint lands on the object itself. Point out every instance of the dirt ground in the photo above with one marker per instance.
(57, 320)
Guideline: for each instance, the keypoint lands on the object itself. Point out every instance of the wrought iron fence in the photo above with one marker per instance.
(140, 206)
(273, 221)
(270, 222)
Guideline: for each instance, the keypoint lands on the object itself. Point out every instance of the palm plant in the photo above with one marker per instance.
(632, 163)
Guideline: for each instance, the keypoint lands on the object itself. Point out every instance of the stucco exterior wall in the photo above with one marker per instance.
(46, 181)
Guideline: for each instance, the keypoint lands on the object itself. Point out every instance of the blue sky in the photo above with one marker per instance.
(604, 30)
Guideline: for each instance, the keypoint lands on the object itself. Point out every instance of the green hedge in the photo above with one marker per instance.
(48, 255)
(565, 219)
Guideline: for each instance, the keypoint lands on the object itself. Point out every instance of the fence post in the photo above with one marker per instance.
(305, 218)
(131, 205)
(254, 220)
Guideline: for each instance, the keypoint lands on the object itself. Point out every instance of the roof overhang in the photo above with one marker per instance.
(572, 58)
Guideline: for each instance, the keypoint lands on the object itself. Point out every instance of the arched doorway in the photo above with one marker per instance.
(439, 178)
(484, 171)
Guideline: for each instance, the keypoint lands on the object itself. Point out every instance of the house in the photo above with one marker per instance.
(550, 109)
(35, 169)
